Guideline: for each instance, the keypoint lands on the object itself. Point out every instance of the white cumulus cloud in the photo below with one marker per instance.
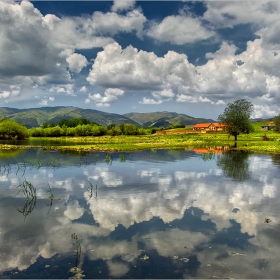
(76, 62)
(120, 5)
(149, 101)
(179, 30)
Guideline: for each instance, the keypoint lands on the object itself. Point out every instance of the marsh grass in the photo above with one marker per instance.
(29, 192)
(78, 248)
(90, 190)
(51, 197)
(5, 169)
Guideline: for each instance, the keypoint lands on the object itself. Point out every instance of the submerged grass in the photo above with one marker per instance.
(252, 142)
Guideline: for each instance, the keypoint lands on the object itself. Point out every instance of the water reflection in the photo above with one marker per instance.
(235, 164)
(170, 216)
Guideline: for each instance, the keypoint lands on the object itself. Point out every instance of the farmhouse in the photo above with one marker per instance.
(209, 127)
(269, 126)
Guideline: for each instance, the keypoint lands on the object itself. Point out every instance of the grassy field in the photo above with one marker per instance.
(212, 141)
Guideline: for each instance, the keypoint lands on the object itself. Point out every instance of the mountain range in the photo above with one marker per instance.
(35, 117)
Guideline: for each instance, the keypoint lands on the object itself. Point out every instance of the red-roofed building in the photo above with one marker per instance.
(209, 126)
(202, 126)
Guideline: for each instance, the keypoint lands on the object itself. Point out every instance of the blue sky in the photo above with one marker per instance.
(124, 56)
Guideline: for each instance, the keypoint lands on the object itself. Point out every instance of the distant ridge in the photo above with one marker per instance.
(158, 119)
(35, 117)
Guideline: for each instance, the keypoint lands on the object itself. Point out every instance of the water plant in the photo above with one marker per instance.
(5, 169)
(53, 163)
(78, 249)
(21, 166)
(29, 192)
(108, 159)
(122, 158)
(51, 197)
(90, 190)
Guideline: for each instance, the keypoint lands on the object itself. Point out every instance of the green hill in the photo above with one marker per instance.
(35, 117)
(165, 119)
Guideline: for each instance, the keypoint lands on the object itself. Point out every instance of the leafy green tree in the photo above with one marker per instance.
(277, 123)
(71, 131)
(130, 129)
(237, 117)
(37, 132)
(3, 119)
(115, 131)
(74, 122)
(10, 129)
(44, 125)
(52, 124)
(111, 126)
(121, 126)
(56, 131)
(63, 122)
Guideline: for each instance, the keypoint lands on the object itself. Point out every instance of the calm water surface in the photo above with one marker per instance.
(149, 214)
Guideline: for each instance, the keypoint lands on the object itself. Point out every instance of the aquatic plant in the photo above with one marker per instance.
(78, 248)
(5, 169)
(21, 166)
(90, 190)
(51, 197)
(53, 163)
(122, 158)
(108, 159)
(29, 192)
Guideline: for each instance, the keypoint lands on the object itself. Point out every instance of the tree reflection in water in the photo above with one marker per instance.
(276, 159)
(235, 164)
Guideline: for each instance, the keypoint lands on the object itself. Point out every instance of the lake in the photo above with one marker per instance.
(147, 214)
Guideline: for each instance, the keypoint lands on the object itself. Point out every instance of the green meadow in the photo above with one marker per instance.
(219, 141)
(131, 138)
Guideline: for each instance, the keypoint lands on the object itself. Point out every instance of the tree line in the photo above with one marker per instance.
(11, 129)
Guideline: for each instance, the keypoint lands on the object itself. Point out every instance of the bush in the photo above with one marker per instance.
(10, 129)
(130, 129)
(142, 131)
(37, 132)
(114, 131)
(102, 130)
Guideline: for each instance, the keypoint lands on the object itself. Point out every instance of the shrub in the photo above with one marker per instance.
(142, 131)
(114, 131)
(130, 129)
(37, 132)
(10, 129)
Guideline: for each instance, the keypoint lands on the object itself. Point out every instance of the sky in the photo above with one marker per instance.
(122, 56)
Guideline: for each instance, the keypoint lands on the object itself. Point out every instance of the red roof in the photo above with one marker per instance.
(205, 125)
(219, 124)
(200, 125)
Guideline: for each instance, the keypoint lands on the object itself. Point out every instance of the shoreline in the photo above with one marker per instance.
(217, 143)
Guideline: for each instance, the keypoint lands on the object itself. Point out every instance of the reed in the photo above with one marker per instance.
(51, 197)
(90, 190)
(29, 192)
